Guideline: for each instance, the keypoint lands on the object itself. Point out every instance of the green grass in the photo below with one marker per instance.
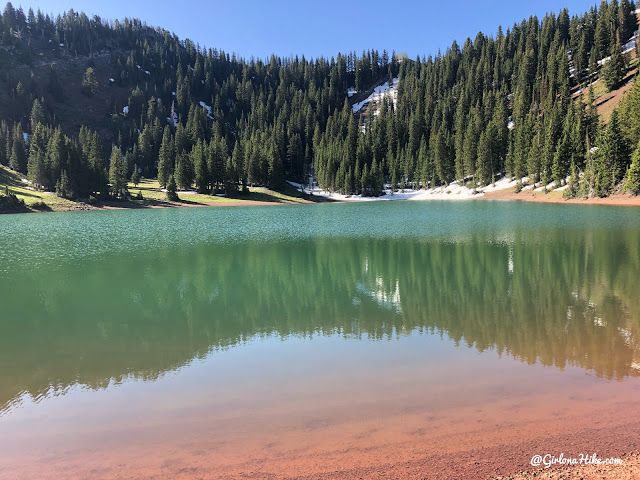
(152, 195)
(151, 191)
(12, 180)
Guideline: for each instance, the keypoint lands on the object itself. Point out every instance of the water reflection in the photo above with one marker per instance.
(558, 297)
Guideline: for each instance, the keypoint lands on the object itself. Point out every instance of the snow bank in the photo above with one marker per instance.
(453, 191)
(626, 48)
(207, 108)
(381, 91)
(552, 186)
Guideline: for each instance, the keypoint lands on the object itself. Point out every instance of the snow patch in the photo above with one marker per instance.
(207, 108)
(351, 92)
(379, 93)
(173, 119)
(453, 191)
(552, 186)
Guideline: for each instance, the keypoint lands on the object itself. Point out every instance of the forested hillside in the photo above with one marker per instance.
(86, 103)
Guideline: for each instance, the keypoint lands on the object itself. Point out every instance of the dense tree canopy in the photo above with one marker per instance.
(496, 105)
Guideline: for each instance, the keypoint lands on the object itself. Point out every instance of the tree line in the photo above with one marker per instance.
(200, 117)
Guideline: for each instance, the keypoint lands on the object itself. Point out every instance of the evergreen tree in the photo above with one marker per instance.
(118, 174)
(276, 170)
(135, 176)
(199, 159)
(89, 82)
(63, 187)
(184, 172)
(613, 71)
(18, 156)
(573, 187)
(630, 112)
(166, 157)
(632, 180)
(37, 115)
(172, 194)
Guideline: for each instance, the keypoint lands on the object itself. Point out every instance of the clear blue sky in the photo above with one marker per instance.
(285, 27)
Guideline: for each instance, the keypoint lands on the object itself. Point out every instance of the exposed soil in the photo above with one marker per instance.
(556, 197)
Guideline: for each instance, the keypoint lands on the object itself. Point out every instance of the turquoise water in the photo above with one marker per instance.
(102, 310)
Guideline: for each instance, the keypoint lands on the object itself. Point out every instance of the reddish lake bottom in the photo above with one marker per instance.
(428, 430)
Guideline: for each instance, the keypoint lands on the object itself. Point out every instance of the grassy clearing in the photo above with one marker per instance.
(152, 196)
(151, 191)
(13, 181)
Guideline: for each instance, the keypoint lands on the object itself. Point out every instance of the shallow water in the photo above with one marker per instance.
(226, 330)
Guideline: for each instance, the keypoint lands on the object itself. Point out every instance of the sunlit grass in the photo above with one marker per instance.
(152, 195)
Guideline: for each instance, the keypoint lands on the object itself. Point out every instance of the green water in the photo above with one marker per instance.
(94, 300)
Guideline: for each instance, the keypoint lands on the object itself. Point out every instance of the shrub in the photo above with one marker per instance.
(39, 205)
(10, 203)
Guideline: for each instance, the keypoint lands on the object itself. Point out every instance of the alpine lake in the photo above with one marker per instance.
(316, 341)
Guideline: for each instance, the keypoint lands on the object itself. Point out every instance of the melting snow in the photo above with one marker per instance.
(626, 48)
(378, 94)
(173, 120)
(207, 108)
(453, 191)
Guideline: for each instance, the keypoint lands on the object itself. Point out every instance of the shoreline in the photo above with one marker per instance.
(132, 204)
(621, 200)
(441, 194)
(407, 444)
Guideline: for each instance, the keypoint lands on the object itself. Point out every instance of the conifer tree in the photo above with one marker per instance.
(630, 112)
(37, 115)
(18, 155)
(118, 174)
(166, 157)
(135, 176)
(276, 170)
(89, 82)
(573, 187)
(632, 180)
(184, 172)
(63, 186)
(613, 71)
(37, 156)
(199, 159)
(172, 194)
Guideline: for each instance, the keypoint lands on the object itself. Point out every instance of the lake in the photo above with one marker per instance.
(331, 340)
